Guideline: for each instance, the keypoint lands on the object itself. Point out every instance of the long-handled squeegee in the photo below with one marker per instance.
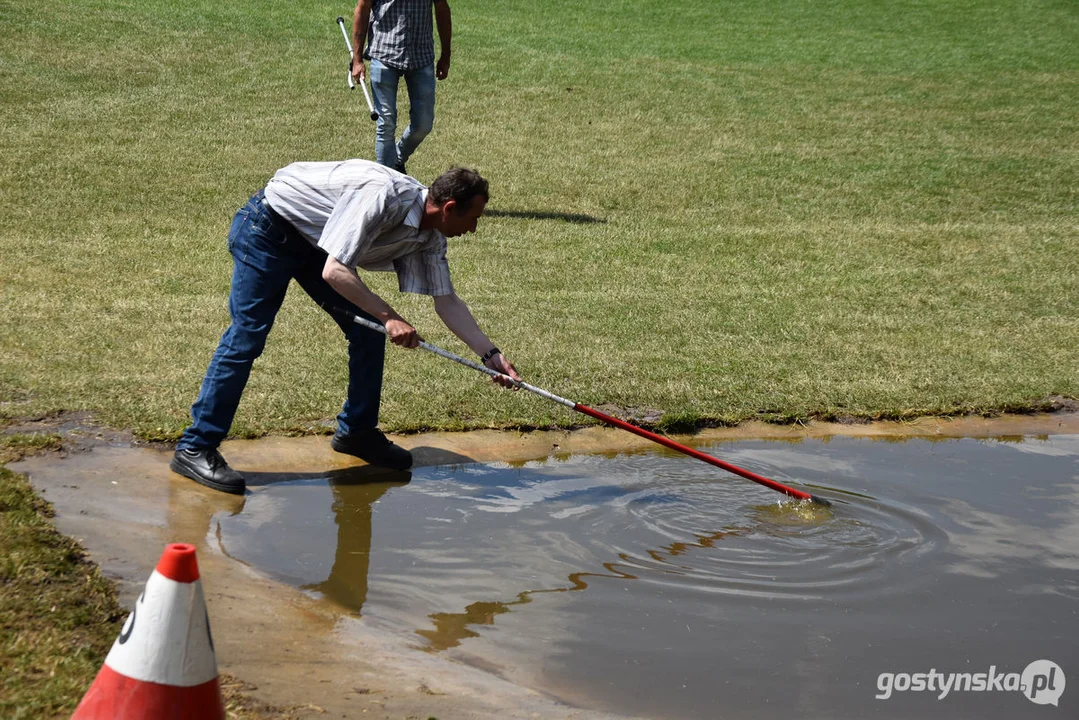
(592, 412)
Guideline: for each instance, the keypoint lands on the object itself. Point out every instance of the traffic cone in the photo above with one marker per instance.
(162, 665)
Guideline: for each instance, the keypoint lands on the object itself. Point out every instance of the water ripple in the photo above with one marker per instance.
(657, 521)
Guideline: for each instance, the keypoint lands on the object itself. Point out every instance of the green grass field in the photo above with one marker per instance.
(715, 210)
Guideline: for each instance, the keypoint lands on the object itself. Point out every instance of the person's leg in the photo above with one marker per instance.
(384, 81)
(357, 432)
(261, 273)
(421, 113)
(366, 351)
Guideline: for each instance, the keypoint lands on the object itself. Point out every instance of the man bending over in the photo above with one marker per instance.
(318, 222)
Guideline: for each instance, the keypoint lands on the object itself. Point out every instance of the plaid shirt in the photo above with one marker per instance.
(400, 33)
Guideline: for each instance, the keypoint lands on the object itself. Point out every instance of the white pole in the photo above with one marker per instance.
(352, 85)
(460, 360)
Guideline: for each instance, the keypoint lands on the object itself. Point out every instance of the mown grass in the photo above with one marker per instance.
(715, 210)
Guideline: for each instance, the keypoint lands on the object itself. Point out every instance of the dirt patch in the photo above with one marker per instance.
(79, 431)
(1059, 403)
(636, 415)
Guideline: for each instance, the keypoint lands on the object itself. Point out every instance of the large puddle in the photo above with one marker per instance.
(654, 585)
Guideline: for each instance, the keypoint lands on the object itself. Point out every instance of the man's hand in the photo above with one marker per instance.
(442, 69)
(403, 334)
(499, 363)
(359, 72)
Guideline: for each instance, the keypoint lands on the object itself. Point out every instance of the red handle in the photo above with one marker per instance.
(667, 442)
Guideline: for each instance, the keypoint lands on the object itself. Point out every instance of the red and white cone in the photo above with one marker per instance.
(162, 665)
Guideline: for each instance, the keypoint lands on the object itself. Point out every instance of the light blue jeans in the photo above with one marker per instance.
(421, 112)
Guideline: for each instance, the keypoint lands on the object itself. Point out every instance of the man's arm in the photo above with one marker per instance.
(360, 19)
(458, 318)
(445, 37)
(345, 281)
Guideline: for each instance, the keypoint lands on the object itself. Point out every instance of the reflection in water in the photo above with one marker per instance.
(263, 531)
(352, 502)
(452, 628)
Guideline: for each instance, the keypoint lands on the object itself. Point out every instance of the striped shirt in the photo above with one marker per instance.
(400, 33)
(365, 215)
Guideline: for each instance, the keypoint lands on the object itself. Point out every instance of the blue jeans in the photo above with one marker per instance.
(421, 111)
(267, 253)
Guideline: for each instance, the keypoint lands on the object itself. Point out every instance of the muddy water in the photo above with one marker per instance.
(652, 585)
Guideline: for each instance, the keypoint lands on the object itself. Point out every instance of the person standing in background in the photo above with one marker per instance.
(400, 44)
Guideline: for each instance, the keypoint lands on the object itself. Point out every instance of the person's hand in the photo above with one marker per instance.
(403, 334)
(359, 72)
(442, 69)
(499, 363)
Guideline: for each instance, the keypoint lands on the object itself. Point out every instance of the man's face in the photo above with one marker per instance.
(454, 225)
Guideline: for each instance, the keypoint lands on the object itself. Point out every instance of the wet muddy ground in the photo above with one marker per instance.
(587, 574)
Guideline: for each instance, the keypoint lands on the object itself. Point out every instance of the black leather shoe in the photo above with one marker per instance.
(400, 167)
(373, 447)
(208, 468)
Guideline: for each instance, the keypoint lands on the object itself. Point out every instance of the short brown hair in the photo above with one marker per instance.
(460, 184)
